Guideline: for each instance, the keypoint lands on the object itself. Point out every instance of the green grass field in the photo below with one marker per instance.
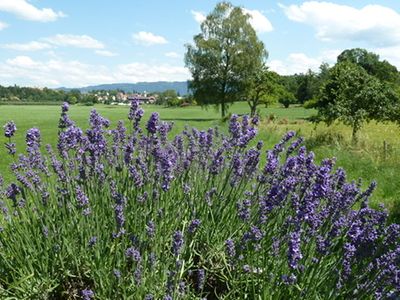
(368, 160)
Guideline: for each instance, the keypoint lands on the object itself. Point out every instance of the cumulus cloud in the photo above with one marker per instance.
(78, 41)
(375, 24)
(3, 25)
(52, 73)
(31, 46)
(259, 22)
(391, 54)
(105, 53)
(56, 72)
(300, 62)
(198, 16)
(27, 11)
(148, 38)
(22, 62)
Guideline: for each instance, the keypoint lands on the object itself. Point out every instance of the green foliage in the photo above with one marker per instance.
(371, 63)
(169, 98)
(305, 86)
(262, 87)
(286, 98)
(15, 94)
(354, 97)
(223, 57)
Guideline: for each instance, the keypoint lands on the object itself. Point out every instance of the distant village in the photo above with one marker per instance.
(168, 97)
(122, 98)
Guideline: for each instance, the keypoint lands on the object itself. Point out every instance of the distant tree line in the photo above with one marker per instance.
(16, 94)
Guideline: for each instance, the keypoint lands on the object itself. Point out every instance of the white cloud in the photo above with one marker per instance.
(52, 73)
(300, 62)
(79, 41)
(27, 11)
(3, 25)
(375, 24)
(105, 53)
(198, 16)
(391, 54)
(259, 22)
(31, 46)
(148, 38)
(56, 72)
(172, 55)
(22, 62)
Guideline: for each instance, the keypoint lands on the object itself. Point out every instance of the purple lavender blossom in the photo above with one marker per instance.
(65, 107)
(137, 275)
(194, 225)
(294, 252)
(177, 242)
(87, 294)
(246, 268)
(234, 127)
(11, 148)
(81, 197)
(181, 287)
(150, 229)
(243, 209)
(12, 191)
(92, 241)
(117, 273)
(230, 248)
(87, 211)
(135, 114)
(152, 124)
(349, 252)
(9, 129)
(65, 121)
(33, 138)
(133, 254)
(291, 279)
(201, 279)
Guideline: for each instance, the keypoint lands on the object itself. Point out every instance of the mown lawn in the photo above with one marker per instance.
(369, 160)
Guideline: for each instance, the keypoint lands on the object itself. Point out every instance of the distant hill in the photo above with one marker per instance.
(180, 87)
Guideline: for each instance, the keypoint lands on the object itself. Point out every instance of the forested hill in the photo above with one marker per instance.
(180, 87)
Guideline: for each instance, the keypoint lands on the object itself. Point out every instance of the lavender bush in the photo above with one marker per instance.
(133, 214)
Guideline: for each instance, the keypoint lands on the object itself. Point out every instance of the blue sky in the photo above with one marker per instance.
(77, 43)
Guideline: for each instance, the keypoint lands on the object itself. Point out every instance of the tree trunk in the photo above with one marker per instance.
(354, 134)
(253, 109)
(223, 107)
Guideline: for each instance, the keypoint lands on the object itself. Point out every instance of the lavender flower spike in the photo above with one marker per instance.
(177, 242)
(9, 129)
(87, 294)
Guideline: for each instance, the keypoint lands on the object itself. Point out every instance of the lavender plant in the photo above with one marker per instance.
(128, 213)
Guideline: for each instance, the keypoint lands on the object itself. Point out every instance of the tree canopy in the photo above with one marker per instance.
(223, 57)
(353, 96)
(262, 87)
(371, 63)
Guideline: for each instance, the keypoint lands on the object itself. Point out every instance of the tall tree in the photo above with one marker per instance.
(354, 97)
(223, 57)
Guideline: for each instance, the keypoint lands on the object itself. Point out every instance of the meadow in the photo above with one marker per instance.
(143, 210)
(376, 157)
